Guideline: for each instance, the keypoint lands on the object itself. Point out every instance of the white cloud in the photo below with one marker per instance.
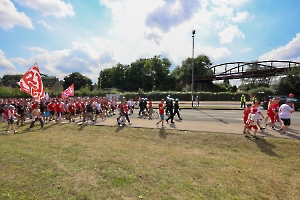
(172, 14)
(79, 57)
(47, 26)
(246, 49)
(233, 3)
(37, 49)
(228, 34)
(55, 8)
(6, 67)
(241, 17)
(10, 17)
(291, 51)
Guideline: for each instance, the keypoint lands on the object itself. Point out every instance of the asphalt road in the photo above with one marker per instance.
(224, 116)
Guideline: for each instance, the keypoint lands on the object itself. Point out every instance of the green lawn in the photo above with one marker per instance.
(91, 162)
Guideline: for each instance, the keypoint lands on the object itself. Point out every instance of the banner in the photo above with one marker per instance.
(68, 92)
(31, 83)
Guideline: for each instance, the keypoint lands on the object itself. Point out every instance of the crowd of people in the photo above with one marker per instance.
(76, 109)
(276, 114)
(89, 110)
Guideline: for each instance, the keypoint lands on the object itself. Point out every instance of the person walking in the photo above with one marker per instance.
(36, 116)
(10, 114)
(243, 101)
(285, 112)
(171, 111)
(247, 111)
(198, 100)
(177, 108)
(161, 108)
(252, 123)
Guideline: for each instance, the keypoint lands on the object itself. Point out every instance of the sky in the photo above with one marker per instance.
(65, 36)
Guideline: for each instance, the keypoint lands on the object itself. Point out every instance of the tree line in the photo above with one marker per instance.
(154, 74)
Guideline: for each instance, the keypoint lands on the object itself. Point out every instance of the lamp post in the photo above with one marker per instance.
(193, 36)
(100, 80)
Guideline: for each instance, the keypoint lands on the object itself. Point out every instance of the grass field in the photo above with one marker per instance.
(66, 161)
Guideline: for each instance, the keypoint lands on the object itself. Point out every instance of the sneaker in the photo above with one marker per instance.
(129, 123)
(167, 121)
(172, 122)
(7, 131)
(162, 126)
(255, 137)
(262, 128)
(244, 132)
(273, 127)
(15, 131)
(156, 125)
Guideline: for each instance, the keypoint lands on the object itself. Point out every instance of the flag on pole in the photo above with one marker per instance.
(68, 92)
(31, 83)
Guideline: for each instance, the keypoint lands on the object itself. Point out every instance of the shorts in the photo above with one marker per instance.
(286, 122)
(10, 121)
(51, 112)
(252, 126)
(47, 114)
(162, 116)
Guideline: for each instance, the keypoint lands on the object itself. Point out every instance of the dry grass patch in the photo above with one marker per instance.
(88, 162)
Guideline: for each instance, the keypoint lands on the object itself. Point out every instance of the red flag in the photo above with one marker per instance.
(31, 83)
(68, 92)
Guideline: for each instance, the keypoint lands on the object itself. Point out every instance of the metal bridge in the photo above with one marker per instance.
(257, 69)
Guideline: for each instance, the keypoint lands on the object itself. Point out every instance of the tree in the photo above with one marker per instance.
(183, 74)
(146, 74)
(290, 83)
(78, 79)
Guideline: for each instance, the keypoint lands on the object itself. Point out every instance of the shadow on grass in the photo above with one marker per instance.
(119, 129)
(163, 133)
(82, 126)
(265, 147)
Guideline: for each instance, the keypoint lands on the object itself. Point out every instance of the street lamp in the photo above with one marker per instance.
(100, 80)
(193, 36)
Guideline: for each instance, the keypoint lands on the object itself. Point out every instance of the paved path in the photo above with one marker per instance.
(206, 126)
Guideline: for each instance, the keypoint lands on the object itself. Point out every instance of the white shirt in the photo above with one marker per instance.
(285, 111)
(252, 120)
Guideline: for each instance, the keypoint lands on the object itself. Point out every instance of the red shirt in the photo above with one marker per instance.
(77, 104)
(34, 105)
(273, 106)
(125, 108)
(52, 106)
(82, 105)
(161, 108)
(72, 108)
(59, 107)
(150, 104)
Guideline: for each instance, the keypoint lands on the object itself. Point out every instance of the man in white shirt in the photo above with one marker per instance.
(285, 112)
